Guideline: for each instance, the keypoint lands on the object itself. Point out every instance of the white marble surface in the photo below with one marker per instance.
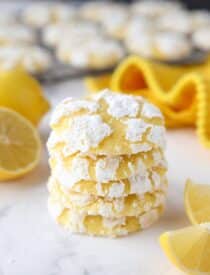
(32, 244)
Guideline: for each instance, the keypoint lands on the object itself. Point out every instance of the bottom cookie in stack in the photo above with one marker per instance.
(102, 226)
(105, 216)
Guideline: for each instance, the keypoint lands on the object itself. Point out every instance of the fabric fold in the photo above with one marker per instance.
(181, 92)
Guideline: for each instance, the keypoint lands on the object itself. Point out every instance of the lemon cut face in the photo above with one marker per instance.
(197, 202)
(20, 145)
(189, 248)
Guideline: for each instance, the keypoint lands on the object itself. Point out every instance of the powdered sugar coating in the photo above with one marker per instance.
(105, 210)
(135, 129)
(69, 106)
(201, 38)
(53, 140)
(160, 199)
(79, 200)
(106, 168)
(116, 190)
(79, 171)
(119, 105)
(132, 205)
(157, 136)
(85, 132)
(111, 223)
(119, 204)
(55, 208)
(140, 184)
(120, 121)
(150, 111)
(31, 58)
(172, 45)
(78, 222)
(96, 53)
(156, 180)
(137, 148)
(148, 218)
(159, 159)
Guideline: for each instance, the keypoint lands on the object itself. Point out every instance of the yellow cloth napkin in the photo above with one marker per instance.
(181, 92)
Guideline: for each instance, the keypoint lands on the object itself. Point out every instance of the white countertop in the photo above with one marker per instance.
(32, 244)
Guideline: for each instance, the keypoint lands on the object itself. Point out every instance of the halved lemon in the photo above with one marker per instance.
(20, 145)
(21, 92)
(189, 248)
(197, 202)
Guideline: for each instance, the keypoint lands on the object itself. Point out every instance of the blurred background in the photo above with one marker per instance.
(65, 39)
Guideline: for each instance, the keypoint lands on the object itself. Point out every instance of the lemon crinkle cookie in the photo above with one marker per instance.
(31, 58)
(97, 52)
(155, 8)
(94, 10)
(107, 168)
(40, 14)
(65, 35)
(107, 124)
(131, 205)
(16, 34)
(108, 165)
(77, 222)
(144, 181)
(201, 38)
(171, 45)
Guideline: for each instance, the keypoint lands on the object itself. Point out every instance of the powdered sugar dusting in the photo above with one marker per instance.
(69, 106)
(119, 204)
(105, 210)
(156, 180)
(53, 140)
(78, 171)
(76, 219)
(148, 218)
(106, 168)
(160, 199)
(157, 136)
(116, 190)
(135, 129)
(85, 132)
(159, 160)
(112, 222)
(140, 183)
(150, 111)
(80, 200)
(137, 148)
(120, 106)
(55, 208)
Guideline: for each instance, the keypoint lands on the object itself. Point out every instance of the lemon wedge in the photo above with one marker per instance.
(189, 248)
(20, 145)
(197, 202)
(21, 92)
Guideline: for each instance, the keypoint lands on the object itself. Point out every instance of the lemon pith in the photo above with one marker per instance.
(20, 145)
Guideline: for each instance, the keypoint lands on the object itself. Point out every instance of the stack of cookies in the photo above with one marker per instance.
(108, 167)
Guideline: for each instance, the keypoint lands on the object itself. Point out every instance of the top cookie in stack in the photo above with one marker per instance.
(108, 165)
